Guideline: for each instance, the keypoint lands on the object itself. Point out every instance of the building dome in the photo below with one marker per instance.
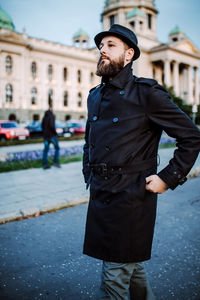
(81, 39)
(80, 33)
(5, 20)
(176, 30)
(135, 12)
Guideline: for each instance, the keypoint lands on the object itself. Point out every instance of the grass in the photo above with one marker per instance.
(23, 165)
(169, 145)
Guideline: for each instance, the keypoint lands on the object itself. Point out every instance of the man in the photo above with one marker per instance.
(50, 136)
(126, 116)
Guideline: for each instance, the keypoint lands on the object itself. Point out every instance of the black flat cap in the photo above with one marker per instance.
(124, 34)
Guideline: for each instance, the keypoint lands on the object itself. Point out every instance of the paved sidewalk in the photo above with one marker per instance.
(35, 191)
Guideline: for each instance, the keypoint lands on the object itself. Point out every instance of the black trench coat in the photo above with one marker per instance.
(125, 121)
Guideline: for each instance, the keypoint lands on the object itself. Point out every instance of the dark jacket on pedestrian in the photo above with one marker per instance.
(48, 125)
(126, 117)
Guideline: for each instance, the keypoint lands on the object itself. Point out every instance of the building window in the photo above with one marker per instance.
(132, 25)
(79, 100)
(175, 39)
(112, 20)
(92, 77)
(12, 117)
(9, 93)
(8, 64)
(65, 100)
(65, 74)
(149, 21)
(50, 72)
(36, 117)
(79, 76)
(33, 96)
(34, 69)
(154, 73)
(141, 25)
(50, 98)
(67, 117)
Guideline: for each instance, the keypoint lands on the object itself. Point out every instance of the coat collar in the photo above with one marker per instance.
(121, 79)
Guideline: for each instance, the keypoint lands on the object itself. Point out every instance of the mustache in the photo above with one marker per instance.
(102, 57)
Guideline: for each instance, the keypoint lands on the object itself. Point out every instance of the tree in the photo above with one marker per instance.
(186, 108)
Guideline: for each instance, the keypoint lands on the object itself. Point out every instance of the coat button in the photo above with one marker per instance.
(92, 146)
(94, 118)
(122, 92)
(107, 148)
(115, 120)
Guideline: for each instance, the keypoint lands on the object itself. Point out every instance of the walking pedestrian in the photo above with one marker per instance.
(126, 117)
(50, 137)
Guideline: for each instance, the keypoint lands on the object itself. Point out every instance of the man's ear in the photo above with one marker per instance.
(129, 54)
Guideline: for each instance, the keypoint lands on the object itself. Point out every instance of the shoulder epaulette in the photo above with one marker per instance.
(147, 81)
(94, 88)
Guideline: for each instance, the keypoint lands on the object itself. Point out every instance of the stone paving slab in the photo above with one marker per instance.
(28, 192)
(35, 191)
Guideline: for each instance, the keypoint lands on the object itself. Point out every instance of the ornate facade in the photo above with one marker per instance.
(175, 63)
(35, 72)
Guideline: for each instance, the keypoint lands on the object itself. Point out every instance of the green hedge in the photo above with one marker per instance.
(184, 107)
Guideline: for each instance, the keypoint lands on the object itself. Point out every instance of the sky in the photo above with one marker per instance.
(58, 20)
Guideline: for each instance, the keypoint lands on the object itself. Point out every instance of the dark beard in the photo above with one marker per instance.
(111, 69)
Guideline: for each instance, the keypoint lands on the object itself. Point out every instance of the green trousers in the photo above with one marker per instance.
(124, 281)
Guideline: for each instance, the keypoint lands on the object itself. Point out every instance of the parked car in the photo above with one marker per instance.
(35, 129)
(10, 130)
(78, 127)
(63, 130)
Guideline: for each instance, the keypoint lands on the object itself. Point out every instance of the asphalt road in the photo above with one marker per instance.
(41, 258)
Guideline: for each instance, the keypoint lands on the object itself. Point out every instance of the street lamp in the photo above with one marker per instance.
(194, 112)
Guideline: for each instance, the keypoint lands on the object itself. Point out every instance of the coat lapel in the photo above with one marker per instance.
(94, 101)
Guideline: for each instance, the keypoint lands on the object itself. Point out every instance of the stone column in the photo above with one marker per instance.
(121, 17)
(190, 85)
(176, 79)
(196, 86)
(167, 73)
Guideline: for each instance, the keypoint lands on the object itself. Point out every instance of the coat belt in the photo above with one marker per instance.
(105, 170)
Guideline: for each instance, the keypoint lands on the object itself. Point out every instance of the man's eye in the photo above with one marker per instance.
(111, 45)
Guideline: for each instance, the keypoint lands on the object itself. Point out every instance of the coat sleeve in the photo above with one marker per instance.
(164, 113)
(86, 169)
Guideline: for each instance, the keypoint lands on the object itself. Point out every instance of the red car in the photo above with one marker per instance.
(76, 128)
(10, 130)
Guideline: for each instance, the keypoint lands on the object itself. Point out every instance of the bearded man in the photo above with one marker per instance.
(126, 117)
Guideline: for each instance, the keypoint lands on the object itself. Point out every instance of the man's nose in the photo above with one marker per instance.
(103, 50)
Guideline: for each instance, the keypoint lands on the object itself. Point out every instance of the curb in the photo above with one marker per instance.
(35, 212)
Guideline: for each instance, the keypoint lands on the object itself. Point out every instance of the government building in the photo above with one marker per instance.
(35, 72)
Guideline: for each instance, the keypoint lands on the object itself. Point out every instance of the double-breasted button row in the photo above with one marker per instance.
(115, 120)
